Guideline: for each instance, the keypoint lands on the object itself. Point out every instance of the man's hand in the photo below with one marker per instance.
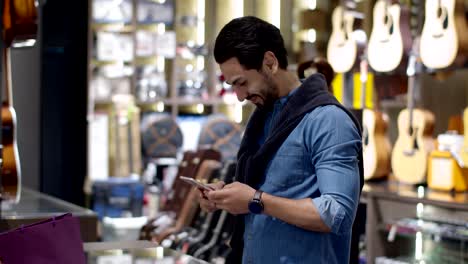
(205, 204)
(234, 198)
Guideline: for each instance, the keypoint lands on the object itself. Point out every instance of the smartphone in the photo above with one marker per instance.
(196, 183)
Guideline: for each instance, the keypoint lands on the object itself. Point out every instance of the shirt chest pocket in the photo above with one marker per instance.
(287, 167)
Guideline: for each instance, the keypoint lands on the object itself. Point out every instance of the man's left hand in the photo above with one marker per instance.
(234, 197)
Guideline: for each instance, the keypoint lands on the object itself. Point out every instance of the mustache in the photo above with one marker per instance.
(250, 96)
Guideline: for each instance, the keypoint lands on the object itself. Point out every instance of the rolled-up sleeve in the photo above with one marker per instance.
(334, 145)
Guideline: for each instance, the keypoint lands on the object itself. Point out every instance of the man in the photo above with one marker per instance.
(299, 168)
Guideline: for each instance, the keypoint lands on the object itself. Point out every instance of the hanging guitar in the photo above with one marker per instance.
(415, 126)
(19, 24)
(342, 47)
(376, 146)
(390, 38)
(444, 39)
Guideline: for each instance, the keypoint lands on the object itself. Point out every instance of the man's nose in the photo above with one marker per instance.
(241, 95)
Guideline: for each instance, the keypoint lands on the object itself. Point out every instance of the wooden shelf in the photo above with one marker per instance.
(151, 27)
(101, 63)
(112, 27)
(186, 101)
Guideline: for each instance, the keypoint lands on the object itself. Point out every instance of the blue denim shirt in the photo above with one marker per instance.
(318, 160)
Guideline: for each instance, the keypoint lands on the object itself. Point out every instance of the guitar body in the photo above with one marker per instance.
(444, 30)
(19, 21)
(376, 146)
(11, 175)
(464, 150)
(388, 41)
(342, 48)
(411, 151)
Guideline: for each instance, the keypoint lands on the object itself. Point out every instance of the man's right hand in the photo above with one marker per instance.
(205, 204)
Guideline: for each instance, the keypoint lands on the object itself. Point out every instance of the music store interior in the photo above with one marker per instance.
(106, 103)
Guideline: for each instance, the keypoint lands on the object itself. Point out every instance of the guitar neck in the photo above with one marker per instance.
(413, 69)
(363, 77)
(410, 102)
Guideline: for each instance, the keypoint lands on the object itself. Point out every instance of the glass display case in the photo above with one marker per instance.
(35, 206)
(138, 252)
(415, 224)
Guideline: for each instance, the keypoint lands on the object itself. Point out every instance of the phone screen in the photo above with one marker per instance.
(196, 183)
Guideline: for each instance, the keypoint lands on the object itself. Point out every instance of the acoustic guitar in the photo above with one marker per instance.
(390, 37)
(342, 48)
(376, 146)
(444, 39)
(414, 143)
(19, 24)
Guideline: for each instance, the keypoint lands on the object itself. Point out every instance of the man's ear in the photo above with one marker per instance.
(270, 62)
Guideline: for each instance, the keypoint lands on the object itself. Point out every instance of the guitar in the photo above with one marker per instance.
(376, 146)
(19, 24)
(464, 150)
(414, 143)
(390, 36)
(342, 48)
(444, 30)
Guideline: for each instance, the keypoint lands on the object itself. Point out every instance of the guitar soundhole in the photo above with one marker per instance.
(345, 35)
(415, 143)
(389, 22)
(442, 15)
(445, 23)
(365, 136)
(414, 135)
(410, 131)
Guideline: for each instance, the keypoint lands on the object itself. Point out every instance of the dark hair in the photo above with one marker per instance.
(247, 39)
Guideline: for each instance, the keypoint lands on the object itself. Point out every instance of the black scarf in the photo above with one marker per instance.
(252, 159)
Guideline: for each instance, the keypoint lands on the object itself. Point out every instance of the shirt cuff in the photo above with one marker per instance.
(331, 213)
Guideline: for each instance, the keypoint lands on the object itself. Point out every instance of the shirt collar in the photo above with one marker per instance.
(282, 100)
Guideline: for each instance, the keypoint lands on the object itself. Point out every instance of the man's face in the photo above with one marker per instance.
(255, 86)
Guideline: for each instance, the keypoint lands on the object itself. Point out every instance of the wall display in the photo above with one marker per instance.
(342, 50)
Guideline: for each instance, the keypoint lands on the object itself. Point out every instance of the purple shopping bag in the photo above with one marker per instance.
(55, 240)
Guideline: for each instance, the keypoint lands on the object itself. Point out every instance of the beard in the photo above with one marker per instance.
(270, 92)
